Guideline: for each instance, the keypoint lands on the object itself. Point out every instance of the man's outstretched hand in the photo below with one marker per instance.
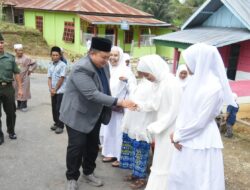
(127, 104)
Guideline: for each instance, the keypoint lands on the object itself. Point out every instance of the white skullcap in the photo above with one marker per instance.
(182, 1)
(18, 46)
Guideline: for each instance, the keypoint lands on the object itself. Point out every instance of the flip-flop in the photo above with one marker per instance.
(138, 184)
(116, 164)
(106, 160)
(129, 178)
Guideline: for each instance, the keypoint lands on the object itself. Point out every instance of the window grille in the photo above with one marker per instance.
(69, 32)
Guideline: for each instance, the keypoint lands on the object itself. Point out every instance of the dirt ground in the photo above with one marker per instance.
(237, 154)
(244, 111)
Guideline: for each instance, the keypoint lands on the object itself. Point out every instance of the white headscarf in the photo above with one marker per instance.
(121, 54)
(181, 68)
(154, 65)
(165, 97)
(126, 57)
(203, 98)
(120, 70)
(205, 63)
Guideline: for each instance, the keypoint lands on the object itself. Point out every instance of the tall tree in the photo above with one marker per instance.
(180, 12)
(158, 8)
(171, 11)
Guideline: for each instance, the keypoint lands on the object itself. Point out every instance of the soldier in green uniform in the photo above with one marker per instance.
(8, 69)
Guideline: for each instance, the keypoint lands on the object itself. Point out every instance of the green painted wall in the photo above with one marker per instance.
(29, 19)
(138, 52)
(165, 51)
(101, 30)
(120, 38)
(53, 28)
(162, 50)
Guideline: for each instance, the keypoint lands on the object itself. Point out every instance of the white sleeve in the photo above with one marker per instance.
(209, 110)
(151, 105)
(172, 95)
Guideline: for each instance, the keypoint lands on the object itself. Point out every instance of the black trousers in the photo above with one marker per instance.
(7, 99)
(82, 150)
(56, 101)
(21, 104)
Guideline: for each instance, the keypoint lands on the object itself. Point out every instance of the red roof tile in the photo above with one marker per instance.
(101, 7)
(14, 2)
(117, 20)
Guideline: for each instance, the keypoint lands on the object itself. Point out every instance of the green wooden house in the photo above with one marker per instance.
(70, 23)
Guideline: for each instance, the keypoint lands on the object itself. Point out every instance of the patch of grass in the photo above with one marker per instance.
(32, 39)
(14, 28)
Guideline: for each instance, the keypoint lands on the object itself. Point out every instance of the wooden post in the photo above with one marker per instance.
(13, 15)
(116, 34)
(95, 30)
(139, 36)
(176, 59)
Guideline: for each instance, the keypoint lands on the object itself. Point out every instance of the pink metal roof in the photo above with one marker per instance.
(241, 88)
(108, 7)
(117, 20)
(14, 2)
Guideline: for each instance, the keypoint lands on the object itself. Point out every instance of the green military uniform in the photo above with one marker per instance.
(8, 68)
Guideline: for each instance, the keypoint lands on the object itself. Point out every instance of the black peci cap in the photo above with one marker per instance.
(101, 44)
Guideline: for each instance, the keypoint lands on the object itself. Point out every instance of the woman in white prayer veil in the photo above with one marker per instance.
(122, 81)
(182, 75)
(136, 140)
(126, 58)
(165, 101)
(197, 160)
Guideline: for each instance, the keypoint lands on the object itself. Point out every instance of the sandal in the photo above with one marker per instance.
(108, 159)
(138, 184)
(116, 164)
(130, 178)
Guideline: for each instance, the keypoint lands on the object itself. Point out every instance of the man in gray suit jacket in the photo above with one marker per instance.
(86, 104)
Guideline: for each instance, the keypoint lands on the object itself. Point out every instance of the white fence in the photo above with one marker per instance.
(88, 36)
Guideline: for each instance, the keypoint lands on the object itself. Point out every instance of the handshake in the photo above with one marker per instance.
(127, 104)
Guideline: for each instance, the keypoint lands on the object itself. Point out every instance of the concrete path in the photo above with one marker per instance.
(36, 160)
